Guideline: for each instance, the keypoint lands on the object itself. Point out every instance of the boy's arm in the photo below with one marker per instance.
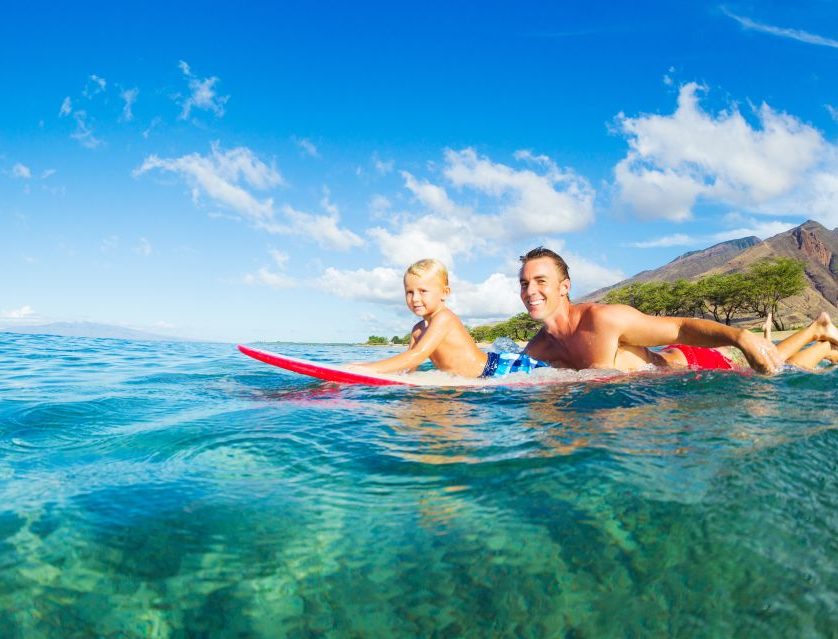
(638, 329)
(419, 350)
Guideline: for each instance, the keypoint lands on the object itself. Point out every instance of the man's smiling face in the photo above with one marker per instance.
(542, 287)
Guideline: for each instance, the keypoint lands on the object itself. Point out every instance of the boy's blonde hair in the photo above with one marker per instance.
(429, 266)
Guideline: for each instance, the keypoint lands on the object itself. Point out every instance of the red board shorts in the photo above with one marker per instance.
(703, 358)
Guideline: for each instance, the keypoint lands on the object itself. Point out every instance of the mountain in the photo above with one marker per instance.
(811, 243)
(687, 266)
(87, 329)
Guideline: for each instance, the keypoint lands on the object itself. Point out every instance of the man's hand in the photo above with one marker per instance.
(761, 353)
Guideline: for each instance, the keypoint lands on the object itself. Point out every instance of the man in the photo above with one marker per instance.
(616, 336)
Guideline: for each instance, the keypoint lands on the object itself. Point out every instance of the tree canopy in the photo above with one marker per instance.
(759, 290)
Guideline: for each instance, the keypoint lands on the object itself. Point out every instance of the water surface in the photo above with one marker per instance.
(183, 490)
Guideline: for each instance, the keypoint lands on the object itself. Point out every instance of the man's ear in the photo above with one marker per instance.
(564, 287)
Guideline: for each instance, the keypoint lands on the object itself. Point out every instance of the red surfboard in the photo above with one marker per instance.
(325, 372)
(340, 375)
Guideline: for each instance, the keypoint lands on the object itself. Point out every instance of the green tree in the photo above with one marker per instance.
(724, 294)
(376, 339)
(521, 327)
(771, 280)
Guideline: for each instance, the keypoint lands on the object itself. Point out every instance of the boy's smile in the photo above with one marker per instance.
(424, 294)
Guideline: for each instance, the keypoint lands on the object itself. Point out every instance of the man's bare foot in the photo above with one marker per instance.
(826, 329)
(766, 328)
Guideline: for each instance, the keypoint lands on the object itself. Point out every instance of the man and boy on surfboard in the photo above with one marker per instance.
(588, 335)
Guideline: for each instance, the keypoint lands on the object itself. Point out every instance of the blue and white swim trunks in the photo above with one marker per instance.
(500, 364)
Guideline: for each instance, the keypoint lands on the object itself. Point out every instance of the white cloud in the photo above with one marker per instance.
(742, 227)
(130, 97)
(379, 207)
(587, 276)
(203, 94)
(66, 107)
(430, 236)
(267, 277)
(273, 278)
(783, 32)
(376, 285)
(47, 173)
(222, 176)
(677, 239)
(494, 298)
(323, 229)
(308, 147)
(143, 247)
(432, 196)
(21, 171)
(674, 160)
(22, 313)
(84, 132)
(155, 122)
(383, 167)
(95, 85)
(555, 201)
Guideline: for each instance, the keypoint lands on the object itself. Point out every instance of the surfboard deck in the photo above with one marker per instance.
(342, 375)
(326, 372)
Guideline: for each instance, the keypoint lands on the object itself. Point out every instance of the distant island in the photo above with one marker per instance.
(87, 329)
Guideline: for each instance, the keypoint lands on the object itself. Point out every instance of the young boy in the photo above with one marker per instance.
(441, 336)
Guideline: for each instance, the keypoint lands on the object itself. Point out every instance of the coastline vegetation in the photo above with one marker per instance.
(722, 296)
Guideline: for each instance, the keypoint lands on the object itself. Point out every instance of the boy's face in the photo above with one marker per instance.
(424, 294)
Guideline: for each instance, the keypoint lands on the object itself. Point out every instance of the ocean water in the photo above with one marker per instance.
(184, 490)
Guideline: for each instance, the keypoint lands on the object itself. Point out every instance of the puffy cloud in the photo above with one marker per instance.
(22, 313)
(521, 202)
(129, 96)
(222, 176)
(494, 298)
(430, 236)
(674, 160)
(323, 229)
(432, 196)
(66, 107)
(273, 278)
(555, 201)
(587, 275)
(375, 285)
(21, 171)
(266, 277)
(203, 94)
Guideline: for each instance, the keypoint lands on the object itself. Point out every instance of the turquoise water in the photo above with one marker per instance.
(183, 490)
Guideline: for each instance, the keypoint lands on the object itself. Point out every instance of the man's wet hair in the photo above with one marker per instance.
(539, 252)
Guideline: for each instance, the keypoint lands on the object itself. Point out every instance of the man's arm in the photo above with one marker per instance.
(638, 329)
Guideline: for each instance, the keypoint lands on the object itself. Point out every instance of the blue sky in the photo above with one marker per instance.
(267, 172)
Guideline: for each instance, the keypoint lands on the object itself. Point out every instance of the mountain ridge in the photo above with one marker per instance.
(811, 243)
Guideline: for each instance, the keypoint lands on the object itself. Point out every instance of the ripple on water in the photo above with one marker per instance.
(184, 490)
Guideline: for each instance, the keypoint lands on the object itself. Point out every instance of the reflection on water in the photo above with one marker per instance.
(185, 491)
